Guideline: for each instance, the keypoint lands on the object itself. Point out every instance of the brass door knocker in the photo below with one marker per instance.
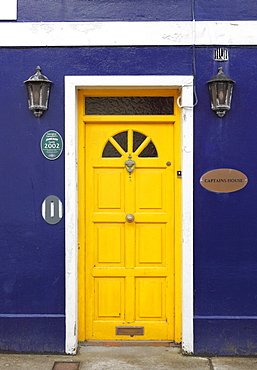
(130, 165)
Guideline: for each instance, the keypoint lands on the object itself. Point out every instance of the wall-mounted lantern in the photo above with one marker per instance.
(38, 87)
(220, 88)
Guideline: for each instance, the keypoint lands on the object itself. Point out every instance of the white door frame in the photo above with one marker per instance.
(72, 84)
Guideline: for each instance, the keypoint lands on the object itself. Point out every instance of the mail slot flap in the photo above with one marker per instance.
(129, 330)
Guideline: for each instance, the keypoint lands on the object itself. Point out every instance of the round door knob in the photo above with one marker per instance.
(130, 217)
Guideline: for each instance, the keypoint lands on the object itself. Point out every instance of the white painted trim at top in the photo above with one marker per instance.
(226, 33)
(72, 84)
(40, 34)
(8, 10)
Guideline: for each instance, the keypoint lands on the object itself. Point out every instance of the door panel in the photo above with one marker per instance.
(129, 266)
(150, 290)
(154, 235)
(150, 190)
(109, 298)
(109, 189)
(109, 244)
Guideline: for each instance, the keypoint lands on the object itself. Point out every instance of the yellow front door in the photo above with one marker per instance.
(127, 239)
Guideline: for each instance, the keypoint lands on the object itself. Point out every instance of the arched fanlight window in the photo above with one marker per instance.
(117, 145)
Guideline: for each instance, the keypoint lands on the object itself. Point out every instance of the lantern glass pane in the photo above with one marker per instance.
(229, 93)
(35, 94)
(222, 93)
(44, 93)
(29, 90)
(213, 95)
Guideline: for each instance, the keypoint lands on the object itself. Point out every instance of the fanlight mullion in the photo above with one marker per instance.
(117, 146)
(142, 146)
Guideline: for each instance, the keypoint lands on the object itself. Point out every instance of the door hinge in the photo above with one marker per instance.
(179, 173)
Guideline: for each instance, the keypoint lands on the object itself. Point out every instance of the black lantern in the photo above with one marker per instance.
(38, 87)
(220, 88)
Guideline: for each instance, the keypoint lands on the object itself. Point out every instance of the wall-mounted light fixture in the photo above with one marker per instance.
(220, 88)
(38, 87)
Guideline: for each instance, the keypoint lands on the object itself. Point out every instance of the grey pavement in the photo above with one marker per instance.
(125, 358)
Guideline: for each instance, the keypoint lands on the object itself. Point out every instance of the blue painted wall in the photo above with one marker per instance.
(225, 10)
(102, 10)
(134, 10)
(225, 236)
(32, 252)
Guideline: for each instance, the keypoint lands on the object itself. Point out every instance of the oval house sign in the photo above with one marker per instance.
(224, 180)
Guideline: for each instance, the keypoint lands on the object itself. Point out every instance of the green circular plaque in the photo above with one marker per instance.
(51, 145)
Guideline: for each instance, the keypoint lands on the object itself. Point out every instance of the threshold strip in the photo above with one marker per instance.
(136, 343)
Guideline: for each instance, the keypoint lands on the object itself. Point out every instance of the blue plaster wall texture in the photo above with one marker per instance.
(32, 251)
(102, 10)
(135, 10)
(32, 263)
(225, 236)
(225, 10)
